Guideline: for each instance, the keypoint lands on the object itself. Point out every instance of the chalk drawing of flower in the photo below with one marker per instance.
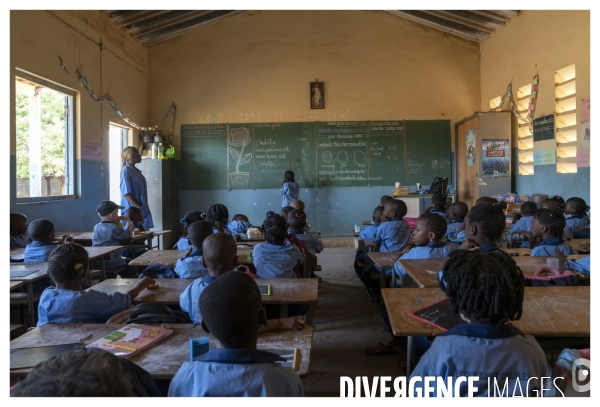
(239, 137)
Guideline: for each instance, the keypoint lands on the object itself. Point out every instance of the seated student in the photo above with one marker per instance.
(382, 201)
(275, 259)
(18, 231)
(218, 217)
(576, 208)
(232, 312)
(487, 289)
(220, 257)
(582, 266)
(456, 214)
(486, 199)
(86, 372)
(239, 224)
(369, 231)
(393, 235)
(297, 222)
(438, 205)
(68, 302)
(109, 232)
(284, 212)
(137, 222)
(298, 204)
(191, 266)
(189, 218)
(427, 236)
(43, 242)
(549, 224)
(484, 226)
(524, 223)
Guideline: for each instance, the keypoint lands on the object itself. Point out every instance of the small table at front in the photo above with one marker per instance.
(385, 260)
(284, 291)
(40, 270)
(163, 359)
(543, 313)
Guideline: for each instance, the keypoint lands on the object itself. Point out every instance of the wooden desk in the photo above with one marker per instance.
(42, 272)
(543, 313)
(164, 257)
(85, 238)
(576, 242)
(99, 252)
(521, 251)
(385, 260)
(15, 284)
(165, 358)
(158, 234)
(17, 253)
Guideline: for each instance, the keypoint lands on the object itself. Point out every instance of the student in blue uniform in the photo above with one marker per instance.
(18, 231)
(298, 204)
(484, 226)
(575, 207)
(487, 290)
(239, 224)
(524, 223)
(191, 266)
(137, 222)
(456, 216)
(428, 242)
(232, 312)
(549, 225)
(218, 217)
(134, 188)
(189, 218)
(290, 189)
(109, 232)
(369, 231)
(43, 242)
(275, 259)
(68, 302)
(297, 222)
(582, 266)
(394, 234)
(439, 205)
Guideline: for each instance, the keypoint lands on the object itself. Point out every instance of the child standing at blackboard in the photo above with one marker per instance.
(289, 189)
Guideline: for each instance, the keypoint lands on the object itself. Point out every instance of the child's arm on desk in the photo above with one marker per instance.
(283, 324)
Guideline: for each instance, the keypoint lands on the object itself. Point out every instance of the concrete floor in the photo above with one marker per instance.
(345, 322)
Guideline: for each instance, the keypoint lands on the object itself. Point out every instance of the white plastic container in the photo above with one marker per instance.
(154, 151)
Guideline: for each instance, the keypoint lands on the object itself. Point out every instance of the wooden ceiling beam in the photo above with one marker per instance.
(146, 28)
(461, 20)
(139, 16)
(462, 34)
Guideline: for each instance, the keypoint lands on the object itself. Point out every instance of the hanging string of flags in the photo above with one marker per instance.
(84, 82)
(531, 106)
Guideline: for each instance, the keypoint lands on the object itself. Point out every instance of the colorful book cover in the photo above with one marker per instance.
(131, 339)
(438, 314)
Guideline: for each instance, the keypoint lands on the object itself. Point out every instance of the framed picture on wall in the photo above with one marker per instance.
(317, 95)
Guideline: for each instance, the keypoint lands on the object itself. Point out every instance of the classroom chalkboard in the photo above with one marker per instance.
(322, 154)
(543, 128)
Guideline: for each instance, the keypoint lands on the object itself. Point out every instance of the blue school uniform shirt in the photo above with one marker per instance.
(189, 300)
(236, 373)
(452, 229)
(20, 240)
(37, 251)
(64, 306)
(483, 350)
(434, 250)
(191, 266)
(369, 231)
(108, 234)
(134, 183)
(238, 226)
(225, 230)
(580, 265)
(289, 191)
(394, 235)
(548, 247)
(577, 221)
(313, 244)
(441, 212)
(273, 261)
(183, 243)
(522, 225)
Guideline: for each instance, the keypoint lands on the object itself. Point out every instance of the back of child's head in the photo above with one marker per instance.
(285, 211)
(274, 229)
(490, 220)
(217, 213)
(297, 220)
(486, 199)
(439, 200)
(577, 203)
(384, 199)
(377, 212)
(231, 307)
(297, 204)
(239, 216)
(66, 262)
(198, 231)
(562, 203)
(133, 212)
(528, 208)
(80, 372)
(191, 217)
(219, 252)
(550, 203)
(486, 286)
(434, 223)
(458, 210)
(289, 175)
(553, 219)
(15, 219)
(398, 206)
(40, 230)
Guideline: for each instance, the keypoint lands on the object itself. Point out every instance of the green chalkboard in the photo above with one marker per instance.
(342, 154)
(543, 128)
(387, 153)
(428, 151)
(204, 156)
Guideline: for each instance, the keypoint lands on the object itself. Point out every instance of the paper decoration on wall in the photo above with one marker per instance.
(585, 110)
(86, 85)
(532, 102)
(585, 135)
(90, 151)
(495, 158)
(583, 158)
(471, 146)
(544, 157)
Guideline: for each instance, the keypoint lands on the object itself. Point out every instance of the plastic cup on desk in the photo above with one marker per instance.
(198, 346)
(553, 263)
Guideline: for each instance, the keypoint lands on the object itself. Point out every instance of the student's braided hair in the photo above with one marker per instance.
(435, 223)
(66, 262)
(297, 219)
(490, 220)
(488, 286)
(553, 219)
(274, 229)
(217, 213)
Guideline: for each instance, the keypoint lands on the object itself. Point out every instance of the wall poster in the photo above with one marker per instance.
(495, 158)
(471, 148)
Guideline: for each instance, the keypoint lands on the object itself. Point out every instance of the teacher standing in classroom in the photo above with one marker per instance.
(134, 189)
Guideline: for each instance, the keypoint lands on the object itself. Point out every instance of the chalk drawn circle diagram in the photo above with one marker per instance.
(327, 157)
(342, 157)
(360, 158)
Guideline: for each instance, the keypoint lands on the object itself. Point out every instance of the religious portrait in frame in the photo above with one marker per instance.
(317, 95)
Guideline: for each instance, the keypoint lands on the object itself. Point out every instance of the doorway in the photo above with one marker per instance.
(117, 141)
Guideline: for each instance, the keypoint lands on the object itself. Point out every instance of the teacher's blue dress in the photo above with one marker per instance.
(134, 183)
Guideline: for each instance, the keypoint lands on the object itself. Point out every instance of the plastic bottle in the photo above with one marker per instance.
(154, 151)
(161, 151)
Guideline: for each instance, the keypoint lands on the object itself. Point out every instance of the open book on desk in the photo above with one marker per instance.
(131, 339)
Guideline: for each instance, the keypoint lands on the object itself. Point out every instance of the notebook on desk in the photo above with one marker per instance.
(131, 339)
(438, 314)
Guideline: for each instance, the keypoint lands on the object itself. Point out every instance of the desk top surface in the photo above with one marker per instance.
(283, 291)
(42, 271)
(165, 358)
(170, 257)
(15, 284)
(544, 312)
(95, 252)
(384, 259)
